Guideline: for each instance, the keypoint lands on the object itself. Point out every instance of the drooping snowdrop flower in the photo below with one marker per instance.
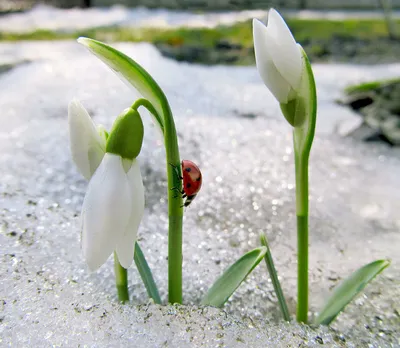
(114, 202)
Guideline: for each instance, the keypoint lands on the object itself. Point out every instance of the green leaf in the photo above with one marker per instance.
(129, 71)
(230, 280)
(274, 278)
(304, 134)
(348, 289)
(146, 275)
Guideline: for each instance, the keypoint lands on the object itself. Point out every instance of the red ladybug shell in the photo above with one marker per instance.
(191, 179)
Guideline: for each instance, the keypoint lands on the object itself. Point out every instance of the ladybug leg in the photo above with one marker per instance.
(186, 204)
(176, 171)
(177, 191)
(184, 195)
(188, 200)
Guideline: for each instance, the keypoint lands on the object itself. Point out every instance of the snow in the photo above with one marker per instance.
(49, 298)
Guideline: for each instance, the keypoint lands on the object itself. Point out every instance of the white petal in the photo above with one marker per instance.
(106, 211)
(127, 164)
(101, 130)
(87, 147)
(284, 51)
(125, 247)
(265, 65)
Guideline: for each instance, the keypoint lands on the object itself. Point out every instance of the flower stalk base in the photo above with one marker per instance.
(121, 280)
(302, 236)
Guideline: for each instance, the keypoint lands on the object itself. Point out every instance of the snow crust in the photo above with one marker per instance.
(230, 125)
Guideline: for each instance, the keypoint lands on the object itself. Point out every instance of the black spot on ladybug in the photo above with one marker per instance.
(198, 179)
(188, 169)
(188, 185)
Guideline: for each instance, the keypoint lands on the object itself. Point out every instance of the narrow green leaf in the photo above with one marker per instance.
(146, 275)
(129, 71)
(348, 289)
(274, 278)
(230, 280)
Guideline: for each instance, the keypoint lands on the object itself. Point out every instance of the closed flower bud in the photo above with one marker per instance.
(126, 136)
(278, 57)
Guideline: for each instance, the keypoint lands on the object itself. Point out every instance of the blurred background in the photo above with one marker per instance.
(211, 32)
(205, 4)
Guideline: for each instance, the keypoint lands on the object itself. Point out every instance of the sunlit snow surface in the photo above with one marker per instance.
(230, 125)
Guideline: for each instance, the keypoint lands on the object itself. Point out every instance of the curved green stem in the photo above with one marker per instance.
(303, 137)
(149, 106)
(175, 203)
(121, 280)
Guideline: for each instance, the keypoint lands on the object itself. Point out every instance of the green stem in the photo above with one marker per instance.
(301, 163)
(149, 106)
(175, 211)
(121, 280)
(175, 203)
(275, 280)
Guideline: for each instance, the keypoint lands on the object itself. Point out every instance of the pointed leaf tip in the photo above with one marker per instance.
(82, 40)
(348, 289)
(128, 71)
(232, 277)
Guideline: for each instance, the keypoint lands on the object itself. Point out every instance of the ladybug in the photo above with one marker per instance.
(191, 181)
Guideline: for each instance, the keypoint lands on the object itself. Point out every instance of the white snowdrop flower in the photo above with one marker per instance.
(278, 57)
(86, 143)
(111, 212)
(114, 203)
